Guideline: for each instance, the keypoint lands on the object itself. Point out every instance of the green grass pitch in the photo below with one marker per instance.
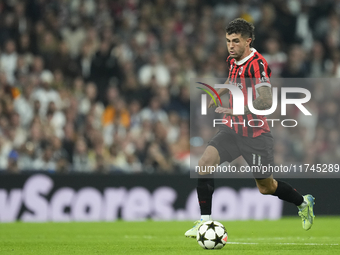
(284, 236)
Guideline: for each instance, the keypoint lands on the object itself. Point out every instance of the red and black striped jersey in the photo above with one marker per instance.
(252, 71)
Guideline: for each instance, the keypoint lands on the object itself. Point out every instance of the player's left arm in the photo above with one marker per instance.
(261, 78)
(263, 101)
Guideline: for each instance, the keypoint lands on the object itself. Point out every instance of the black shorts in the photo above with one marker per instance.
(256, 151)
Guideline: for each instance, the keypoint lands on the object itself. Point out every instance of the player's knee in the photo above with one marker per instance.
(205, 162)
(267, 186)
(210, 157)
(204, 165)
(266, 190)
(202, 162)
(263, 190)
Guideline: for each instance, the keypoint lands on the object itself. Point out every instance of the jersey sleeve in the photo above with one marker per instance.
(261, 73)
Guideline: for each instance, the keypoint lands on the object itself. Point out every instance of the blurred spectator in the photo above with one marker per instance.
(154, 112)
(68, 142)
(154, 70)
(155, 160)
(117, 159)
(266, 27)
(276, 59)
(45, 161)
(103, 68)
(135, 118)
(5, 149)
(295, 66)
(173, 127)
(12, 166)
(180, 150)
(45, 94)
(63, 61)
(84, 60)
(8, 60)
(333, 65)
(133, 91)
(316, 63)
(17, 134)
(74, 35)
(23, 106)
(115, 121)
(25, 48)
(181, 103)
(89, 100)
(81, 162)
(57, 119)
(333, 33)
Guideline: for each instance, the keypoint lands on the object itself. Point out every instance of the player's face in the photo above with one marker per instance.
(237, 45)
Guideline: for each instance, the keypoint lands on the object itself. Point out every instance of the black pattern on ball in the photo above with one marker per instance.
(218, 240)
(212, 226)
(202, 238)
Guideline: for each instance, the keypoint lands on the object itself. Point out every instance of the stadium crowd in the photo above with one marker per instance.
(103, 86)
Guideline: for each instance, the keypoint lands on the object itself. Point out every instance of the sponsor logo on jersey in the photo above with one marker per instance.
(263, 79)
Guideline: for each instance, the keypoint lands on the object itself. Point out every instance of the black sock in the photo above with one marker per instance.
(205, 190)
(286, 192)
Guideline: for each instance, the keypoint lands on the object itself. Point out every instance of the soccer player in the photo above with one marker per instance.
(246, 68)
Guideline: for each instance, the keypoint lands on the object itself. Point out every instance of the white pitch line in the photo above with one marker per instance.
(282, 243)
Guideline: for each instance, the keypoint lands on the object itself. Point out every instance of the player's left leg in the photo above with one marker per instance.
(222, 147)
(283, 190)
(205, 188)
(259, 151)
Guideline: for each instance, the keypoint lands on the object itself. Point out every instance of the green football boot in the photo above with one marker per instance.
(193, 231)
(307, 213)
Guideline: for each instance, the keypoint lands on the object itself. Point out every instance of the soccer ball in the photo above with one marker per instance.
(212, 235)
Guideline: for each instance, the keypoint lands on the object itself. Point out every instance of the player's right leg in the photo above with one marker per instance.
(205, 188)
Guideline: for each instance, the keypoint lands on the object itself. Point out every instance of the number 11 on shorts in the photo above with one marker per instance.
(258, 159)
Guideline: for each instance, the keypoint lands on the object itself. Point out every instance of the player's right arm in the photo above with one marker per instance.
(220, 92)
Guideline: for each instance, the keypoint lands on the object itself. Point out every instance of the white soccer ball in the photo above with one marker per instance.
(212, 235)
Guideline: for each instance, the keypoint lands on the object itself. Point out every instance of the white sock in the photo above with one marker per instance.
(303, 205)
(205, 217)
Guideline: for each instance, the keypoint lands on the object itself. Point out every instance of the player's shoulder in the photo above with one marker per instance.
(258, 63)
(259, 58)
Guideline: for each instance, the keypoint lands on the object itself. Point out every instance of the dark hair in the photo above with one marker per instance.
(241, 26)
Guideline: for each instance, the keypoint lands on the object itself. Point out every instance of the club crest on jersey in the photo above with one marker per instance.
(241, 69)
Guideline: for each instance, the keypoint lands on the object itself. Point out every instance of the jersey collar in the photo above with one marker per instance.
(242, 61)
